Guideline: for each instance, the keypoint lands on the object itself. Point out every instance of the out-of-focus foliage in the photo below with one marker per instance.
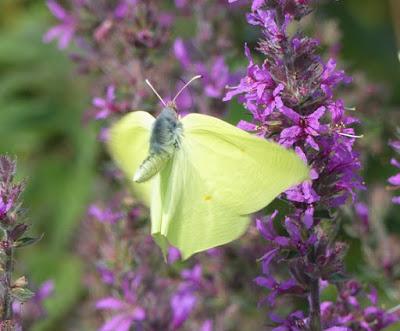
(41, 102)
(41, 106)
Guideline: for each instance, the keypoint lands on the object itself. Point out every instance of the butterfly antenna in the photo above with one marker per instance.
(186, 85)
(155, 92)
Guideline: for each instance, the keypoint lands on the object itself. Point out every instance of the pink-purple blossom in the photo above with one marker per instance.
(63, 32)
(290, 97)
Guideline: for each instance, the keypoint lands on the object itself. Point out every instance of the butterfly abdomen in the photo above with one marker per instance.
(164, 141)
(151, 166)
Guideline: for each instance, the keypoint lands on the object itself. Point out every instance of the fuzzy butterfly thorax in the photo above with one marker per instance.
(165, 139)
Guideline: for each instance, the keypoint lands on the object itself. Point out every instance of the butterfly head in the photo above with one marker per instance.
(171, 105)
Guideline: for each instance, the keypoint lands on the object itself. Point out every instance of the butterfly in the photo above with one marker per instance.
(201, 177)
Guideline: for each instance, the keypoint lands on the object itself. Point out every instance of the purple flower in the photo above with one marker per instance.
(215, 78)
(106, 106)
(184, 300)
(296, 321)
(106, 274)
(215, 73)
(123, 8)
(106, 215)
(9, 192)
(126, 310)
(395, 180)
(261, 93)
(362, 212)
(173, 255)
(290, 98)
(65, 31)
(348, 314)
(5, 207)
(34, 309)
(182, 305)
(207, 326)
(181, 53)
(277, 288)
(303, 128)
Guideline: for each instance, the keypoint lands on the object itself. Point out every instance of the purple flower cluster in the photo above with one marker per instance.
(131, 284)
(14, 293)
(9, 195)
(290, 97)
(135, 295)
(27, 314)
(121, 42)
(349, 312)
(395, 180)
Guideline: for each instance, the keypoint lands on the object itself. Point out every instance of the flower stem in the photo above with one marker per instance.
(315, 311)
(8, 268)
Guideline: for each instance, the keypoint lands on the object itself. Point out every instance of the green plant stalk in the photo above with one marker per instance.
(8, 269)
(315, 310)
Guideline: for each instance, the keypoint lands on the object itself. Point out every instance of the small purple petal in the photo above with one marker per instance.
(268, 282)
(110, 303)
(114, 323)
(207, 326)
(395, 180)
(290, 113)
(53, 33)
(99, 102)
(247, 126)
(139, 314)
(110, 93)
(396, 200)
(57, 10)
(395, 163)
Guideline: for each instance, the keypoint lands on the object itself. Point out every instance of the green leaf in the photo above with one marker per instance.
(26, 241)
(338, 278)
(22, 294)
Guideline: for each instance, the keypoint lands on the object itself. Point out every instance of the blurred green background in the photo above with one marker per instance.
(41, 104)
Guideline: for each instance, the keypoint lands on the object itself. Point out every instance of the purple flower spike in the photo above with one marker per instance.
(65, 31)
(395, 180)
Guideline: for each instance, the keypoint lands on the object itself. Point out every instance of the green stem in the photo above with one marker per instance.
(8, 269)
(315, 311)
